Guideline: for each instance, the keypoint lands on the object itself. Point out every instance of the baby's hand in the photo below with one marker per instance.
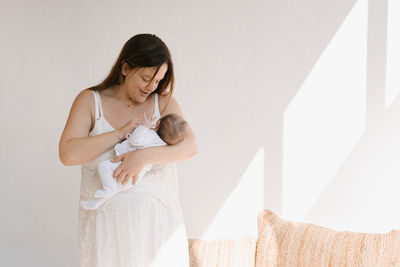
(147, 122)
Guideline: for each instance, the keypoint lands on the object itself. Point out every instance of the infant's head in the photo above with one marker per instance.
(171, 128)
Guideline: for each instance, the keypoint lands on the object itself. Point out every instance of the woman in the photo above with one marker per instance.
(142, 226)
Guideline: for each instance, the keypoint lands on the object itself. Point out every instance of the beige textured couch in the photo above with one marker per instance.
(284, 243)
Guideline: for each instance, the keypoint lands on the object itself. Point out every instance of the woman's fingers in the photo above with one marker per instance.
(134, 178)
(118, 158)
(122, 176)
(126, 180)
(128, 177)
(117, 172)
(129, 168)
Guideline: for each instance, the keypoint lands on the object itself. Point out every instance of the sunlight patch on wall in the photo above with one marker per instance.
(169, 249)
(393, 53)
(327, 117)
(238, 215)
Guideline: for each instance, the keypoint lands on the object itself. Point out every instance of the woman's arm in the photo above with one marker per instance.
(133, 162)
(75, 146)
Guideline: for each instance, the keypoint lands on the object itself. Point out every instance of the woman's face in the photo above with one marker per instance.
(137, 81)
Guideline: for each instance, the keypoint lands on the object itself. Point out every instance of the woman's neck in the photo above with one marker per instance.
(122, 95)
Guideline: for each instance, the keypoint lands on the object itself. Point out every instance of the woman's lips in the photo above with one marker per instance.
(143, 93)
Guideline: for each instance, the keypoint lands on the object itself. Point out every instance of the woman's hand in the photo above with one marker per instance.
(128, 128)
(147, 122)
(130, 167)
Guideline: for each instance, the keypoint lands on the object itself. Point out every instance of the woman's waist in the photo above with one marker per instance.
(163, 192)
(157, 179)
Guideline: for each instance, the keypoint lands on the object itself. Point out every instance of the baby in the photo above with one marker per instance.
(169, 130)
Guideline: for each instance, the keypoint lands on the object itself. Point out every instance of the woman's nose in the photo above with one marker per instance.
(153, 86)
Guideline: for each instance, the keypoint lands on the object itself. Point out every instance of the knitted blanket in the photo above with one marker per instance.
(238, 252)
(284, 243)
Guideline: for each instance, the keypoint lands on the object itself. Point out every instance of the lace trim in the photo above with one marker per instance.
(89, 171)
(157, 169)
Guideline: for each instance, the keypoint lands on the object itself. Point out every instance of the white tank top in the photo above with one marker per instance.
(161, 181)
(99, 109)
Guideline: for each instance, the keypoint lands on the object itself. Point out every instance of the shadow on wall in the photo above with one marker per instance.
(321, 122)
(364, 185)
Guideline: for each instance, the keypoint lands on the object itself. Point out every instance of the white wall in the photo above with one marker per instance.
(288, 100)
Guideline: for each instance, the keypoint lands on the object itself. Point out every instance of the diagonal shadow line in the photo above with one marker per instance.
(274, 166)
(377, 41)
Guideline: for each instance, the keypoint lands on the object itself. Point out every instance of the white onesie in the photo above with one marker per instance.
(140, 138)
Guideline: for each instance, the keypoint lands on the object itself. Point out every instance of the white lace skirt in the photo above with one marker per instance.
(133, 229)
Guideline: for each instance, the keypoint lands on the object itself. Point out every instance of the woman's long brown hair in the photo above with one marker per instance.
(142, 50)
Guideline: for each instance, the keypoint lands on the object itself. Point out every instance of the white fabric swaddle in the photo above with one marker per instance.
(140, 138)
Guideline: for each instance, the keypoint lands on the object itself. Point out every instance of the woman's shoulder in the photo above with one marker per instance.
(86, 98)
(165, 102)
(85, 101)
(169, 105)
(162, 98)
(86, 95)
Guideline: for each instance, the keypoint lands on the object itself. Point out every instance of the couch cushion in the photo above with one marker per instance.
(238, 252)
(286, 243)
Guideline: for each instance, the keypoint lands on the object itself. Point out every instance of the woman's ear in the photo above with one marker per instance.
(124, 68)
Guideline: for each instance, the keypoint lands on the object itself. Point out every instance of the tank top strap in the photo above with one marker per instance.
(98, 107)
(156, 108)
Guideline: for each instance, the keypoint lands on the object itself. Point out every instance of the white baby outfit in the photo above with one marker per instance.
(139, 227)
(140, 138)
